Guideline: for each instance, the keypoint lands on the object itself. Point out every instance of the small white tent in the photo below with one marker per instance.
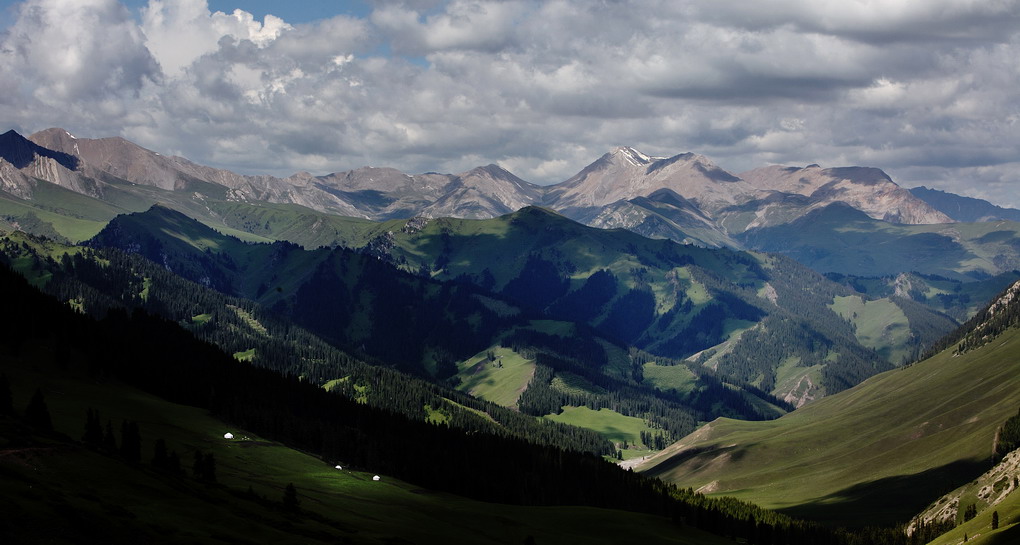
(228, 435)
(339, 467)
(376, 478)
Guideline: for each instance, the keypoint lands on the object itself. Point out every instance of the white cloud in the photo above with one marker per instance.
(73, 51)
(922, 88)
(178, 32)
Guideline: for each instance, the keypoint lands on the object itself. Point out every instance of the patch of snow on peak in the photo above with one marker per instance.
(635, 157)
(71, 135)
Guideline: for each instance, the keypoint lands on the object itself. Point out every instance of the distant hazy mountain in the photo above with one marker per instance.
(965, 209)
(867, 189)
(685, 197)
(376, 193)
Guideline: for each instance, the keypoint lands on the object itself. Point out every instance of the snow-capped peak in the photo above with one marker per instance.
(633, 156)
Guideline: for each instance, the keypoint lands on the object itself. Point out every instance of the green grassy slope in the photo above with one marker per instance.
(953, 297)
(672, 288)
(363, 304)
(671, 300)
(978, 531)
(878, 324)
(95, 281)
(57, 491)
(873, 454)
(498, 375)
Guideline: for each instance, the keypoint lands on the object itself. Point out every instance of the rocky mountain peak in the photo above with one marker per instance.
(629, 155)
(868, 189)
(22, 152)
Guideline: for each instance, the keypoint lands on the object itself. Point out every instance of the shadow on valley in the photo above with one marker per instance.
(888, 501)
(696, 459)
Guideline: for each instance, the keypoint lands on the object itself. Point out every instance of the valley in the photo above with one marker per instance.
(813, 341)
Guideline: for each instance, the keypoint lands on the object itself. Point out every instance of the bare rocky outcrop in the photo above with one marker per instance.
(990, 489)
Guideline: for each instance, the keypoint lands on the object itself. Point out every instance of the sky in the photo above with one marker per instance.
(927, 90)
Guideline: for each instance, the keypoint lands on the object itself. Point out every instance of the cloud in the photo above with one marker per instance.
(922, 88)
(73, 51)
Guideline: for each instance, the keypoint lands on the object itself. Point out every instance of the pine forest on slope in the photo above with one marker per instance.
(715, 307)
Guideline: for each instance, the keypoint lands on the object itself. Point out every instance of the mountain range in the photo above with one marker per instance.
(487, 307)
(685, 198)
(697, 190)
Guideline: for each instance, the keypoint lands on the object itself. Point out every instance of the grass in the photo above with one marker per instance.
(878, 452)
(669, 377)
(436, 415)
(978, 530)
(611, 424)
(59, 492)
(500, 380)
(572, 384)
(878, 324)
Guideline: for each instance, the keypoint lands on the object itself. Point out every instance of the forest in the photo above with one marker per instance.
(157, 356)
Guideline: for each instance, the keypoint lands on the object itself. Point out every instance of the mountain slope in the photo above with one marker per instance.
(446, 331)
(877, 453)
(965, 209)
(58, 489)
(714, 307)
(626, 173)
(98, 282)
(380, 193)
(841, 239)
(866, 189)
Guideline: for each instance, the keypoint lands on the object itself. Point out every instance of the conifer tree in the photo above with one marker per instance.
(6, 399)
(160, 457)
(93, 429)
(290, 499)
(37, 413)
(109, 440)
(173, 463)
(204, 467)
(198, 466)
(995, 520)
(210, 468)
